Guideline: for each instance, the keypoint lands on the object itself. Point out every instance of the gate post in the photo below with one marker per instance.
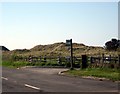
(119, 61)
(84, 61)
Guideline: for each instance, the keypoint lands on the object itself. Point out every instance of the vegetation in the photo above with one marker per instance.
(14, 64)
(112, 74)
(17, 58)
(59, 49)
(3, 48)
(112, 45)
(17, 64)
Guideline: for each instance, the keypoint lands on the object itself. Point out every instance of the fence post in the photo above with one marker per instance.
(59, 60)
(40, 59)
(102, 60)
(99, 59)
(84, 61)
(45, 58)
(110, 59)
(119, 61)
(91, 60)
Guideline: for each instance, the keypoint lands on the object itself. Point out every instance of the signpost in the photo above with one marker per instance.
(69, 44)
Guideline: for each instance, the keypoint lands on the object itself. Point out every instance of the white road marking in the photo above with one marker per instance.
(32, 87)
(4, 78)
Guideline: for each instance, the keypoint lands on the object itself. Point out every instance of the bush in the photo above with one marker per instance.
(112, 45)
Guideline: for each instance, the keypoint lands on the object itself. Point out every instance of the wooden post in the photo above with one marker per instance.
(71, 55)
(99, 59)
(69, 44)
(119, 60)
(40, 59)
(102, 60)
(110, 59)
(45, 58)
(91, 60)
(84, 61)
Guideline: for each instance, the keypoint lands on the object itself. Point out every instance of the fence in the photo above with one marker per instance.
(96, 61)
(57, 61)
(105, 61)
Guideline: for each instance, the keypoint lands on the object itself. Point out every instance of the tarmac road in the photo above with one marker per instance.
(48, 80)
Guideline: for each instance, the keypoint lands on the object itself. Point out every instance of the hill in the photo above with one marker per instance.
(57, 49)
(3, 48)
(60, 49)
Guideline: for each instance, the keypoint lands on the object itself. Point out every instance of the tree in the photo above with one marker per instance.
(112, 45)
(3, 48)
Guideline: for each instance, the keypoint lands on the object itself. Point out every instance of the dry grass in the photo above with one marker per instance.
(59, 49)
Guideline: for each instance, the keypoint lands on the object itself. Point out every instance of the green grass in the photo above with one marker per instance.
(16, 64)
(112, 74)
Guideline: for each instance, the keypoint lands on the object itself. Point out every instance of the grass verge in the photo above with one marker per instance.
(112, 74)
(16, 64)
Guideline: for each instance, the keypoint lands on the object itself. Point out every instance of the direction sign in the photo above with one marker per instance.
(68, 42)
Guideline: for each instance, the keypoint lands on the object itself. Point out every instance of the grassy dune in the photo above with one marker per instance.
(59, 49)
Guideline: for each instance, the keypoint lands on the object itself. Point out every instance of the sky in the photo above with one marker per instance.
(27, 24)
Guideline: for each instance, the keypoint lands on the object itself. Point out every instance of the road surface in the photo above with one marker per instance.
(48, 80)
